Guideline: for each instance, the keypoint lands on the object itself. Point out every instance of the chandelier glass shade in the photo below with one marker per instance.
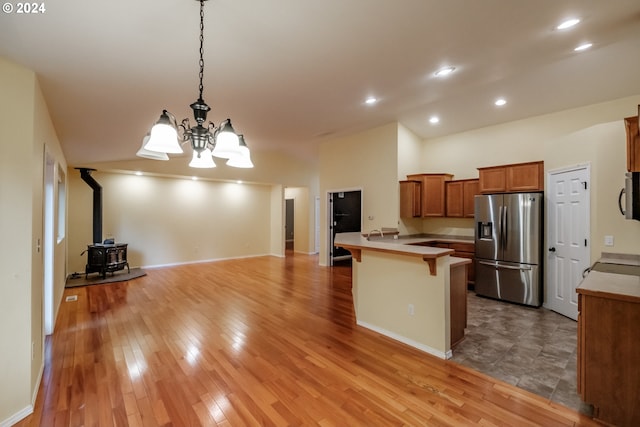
(202, 159)
(153, 155)
(168, 136)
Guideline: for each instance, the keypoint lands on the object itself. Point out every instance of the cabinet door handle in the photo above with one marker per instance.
(552, 249)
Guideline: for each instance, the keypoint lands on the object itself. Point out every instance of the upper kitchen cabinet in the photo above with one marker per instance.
(633, 143)
(433, 192)
(460, 197)
(520, 177)
(410, 199)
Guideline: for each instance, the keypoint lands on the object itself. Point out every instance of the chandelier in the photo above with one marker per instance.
(167, 136)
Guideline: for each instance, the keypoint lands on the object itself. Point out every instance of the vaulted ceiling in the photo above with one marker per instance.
(290, 73)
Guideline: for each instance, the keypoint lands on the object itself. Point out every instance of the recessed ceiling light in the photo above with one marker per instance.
(568, 24)
(582, 47)
(371, 100)
(444, 71)
(434, 119)
(500, 102)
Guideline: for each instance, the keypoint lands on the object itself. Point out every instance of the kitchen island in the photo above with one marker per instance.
(413, 293)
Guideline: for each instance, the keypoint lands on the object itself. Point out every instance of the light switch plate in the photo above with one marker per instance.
(608, 240)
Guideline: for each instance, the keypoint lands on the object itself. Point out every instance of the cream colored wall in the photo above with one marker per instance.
(16, 157)
(593, 134)
(24, 129)
(169, 221)
(276, 169)
(277, 211)
(388, 283)
(367, 160)
(302, 219)
(410, 149)
(270, 168)
(45, 138)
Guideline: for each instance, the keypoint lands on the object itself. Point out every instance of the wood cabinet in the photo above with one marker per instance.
(460, 197)
(433, 192)
(608, 355)
(633, 142)
(519, 177)
(410, 199)
(466, 250)
(458, 302)
(462, 250)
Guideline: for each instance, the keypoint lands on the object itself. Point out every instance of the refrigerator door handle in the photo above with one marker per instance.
(500, 236)
(505, 267)
(505, 227)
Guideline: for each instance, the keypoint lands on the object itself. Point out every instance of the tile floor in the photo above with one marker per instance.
(531, 348)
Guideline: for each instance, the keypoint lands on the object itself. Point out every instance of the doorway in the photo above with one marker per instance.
(568, 237)
(48, 242)
(345, 215)
(288, 224)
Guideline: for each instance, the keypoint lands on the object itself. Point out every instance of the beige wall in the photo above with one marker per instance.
(367, 160)
(272, 170)
(169, 220)
(303, 219)
(388, 283)
(593, 134)
(25, 128)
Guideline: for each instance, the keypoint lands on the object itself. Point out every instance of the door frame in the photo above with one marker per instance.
(48, 245)
(329, 229)
(549, 173)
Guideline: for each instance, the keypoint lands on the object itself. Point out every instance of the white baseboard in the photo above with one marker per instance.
(174, 264)
(408, 341)
(28, 410)
(23, 413)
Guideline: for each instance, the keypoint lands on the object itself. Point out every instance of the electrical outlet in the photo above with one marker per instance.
(411, 310)
(608, 240)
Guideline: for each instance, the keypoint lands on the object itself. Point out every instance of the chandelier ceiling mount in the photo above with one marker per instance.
(167, 136)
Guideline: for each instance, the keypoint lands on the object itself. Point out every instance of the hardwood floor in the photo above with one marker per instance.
(261, 341)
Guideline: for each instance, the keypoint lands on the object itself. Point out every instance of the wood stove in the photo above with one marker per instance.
(106, 258)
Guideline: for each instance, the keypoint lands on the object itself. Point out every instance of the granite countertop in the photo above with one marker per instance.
(399, 245)
(613, 285)
(439, 237)
(626, 259)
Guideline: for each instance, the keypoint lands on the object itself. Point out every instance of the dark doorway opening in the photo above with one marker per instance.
(346, 216)
(288, 224)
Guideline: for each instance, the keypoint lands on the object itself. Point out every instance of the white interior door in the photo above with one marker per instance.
(568, 237)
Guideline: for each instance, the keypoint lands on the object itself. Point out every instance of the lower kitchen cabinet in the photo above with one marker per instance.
(608, 355)
(458, 301)
(466, 250)
(461, 250)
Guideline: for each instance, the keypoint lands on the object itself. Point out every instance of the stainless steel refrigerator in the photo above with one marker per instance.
(509, 242)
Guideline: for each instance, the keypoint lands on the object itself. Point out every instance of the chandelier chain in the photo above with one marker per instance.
(201, 46)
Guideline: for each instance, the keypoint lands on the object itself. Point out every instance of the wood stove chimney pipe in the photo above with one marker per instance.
(85, 174)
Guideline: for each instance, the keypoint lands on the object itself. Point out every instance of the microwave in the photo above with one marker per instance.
(631, 195)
